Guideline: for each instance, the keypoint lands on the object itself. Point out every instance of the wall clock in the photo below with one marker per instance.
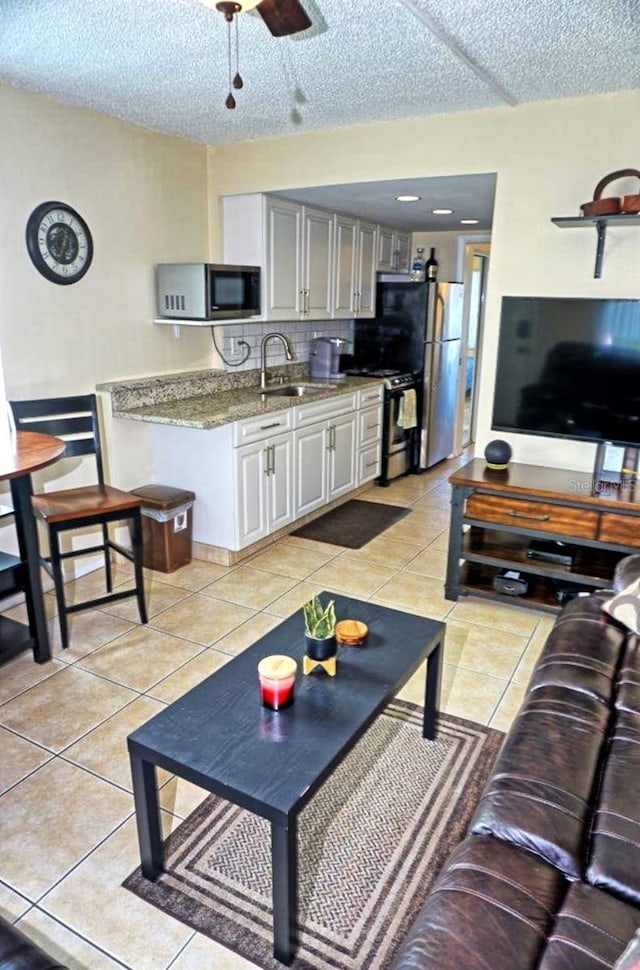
(59, 242)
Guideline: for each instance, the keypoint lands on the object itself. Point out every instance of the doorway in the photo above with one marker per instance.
(476, 254)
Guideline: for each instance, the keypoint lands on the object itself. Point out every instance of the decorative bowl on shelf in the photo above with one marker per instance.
(611, 205)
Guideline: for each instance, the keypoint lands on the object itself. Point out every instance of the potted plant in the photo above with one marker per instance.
(320, 629)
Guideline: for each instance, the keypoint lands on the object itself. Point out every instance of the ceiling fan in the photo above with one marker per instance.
(282, 17)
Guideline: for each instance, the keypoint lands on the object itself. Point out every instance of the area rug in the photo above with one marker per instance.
(353, 524)
(371, 843)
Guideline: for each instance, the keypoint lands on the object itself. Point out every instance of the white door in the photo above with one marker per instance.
(284, 260)
(251, 482)
(311, 457)
(342, 455)
(280, 481)
(366, 273)
(318, 264)
(344, 293)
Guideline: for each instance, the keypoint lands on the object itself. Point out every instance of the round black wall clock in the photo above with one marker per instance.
(59, 242)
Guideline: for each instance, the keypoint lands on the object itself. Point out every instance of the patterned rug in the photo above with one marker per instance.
(371, 842)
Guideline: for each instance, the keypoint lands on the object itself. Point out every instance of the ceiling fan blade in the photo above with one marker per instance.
(283, 17)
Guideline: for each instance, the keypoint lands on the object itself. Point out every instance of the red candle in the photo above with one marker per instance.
(277, 676)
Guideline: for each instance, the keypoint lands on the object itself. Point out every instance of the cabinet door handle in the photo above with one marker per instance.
(370, 464)
(267, 463)
(272, 449)
(274, 424)
(332, 438)
(308, 303)
(525, 515)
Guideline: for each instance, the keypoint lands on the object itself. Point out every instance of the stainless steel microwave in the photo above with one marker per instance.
(207, 291)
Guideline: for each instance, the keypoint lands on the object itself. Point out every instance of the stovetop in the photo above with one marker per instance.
(392, 378)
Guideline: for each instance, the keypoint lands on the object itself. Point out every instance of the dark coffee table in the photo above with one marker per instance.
(219, 737)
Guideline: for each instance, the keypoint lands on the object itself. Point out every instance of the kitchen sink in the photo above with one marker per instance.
(296, 390)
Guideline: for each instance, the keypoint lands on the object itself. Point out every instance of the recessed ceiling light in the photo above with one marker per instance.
(469, 222)
(408, 198)
(442, 212)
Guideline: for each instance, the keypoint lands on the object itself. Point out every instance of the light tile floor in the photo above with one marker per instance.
(67, 830)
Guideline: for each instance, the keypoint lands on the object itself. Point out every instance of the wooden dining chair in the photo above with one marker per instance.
(75, 420)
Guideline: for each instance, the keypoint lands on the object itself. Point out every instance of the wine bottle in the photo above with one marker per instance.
(432, 265)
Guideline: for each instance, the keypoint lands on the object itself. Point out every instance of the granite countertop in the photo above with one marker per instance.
(209, 399)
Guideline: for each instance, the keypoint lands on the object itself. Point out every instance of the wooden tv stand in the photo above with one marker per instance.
(495, 516)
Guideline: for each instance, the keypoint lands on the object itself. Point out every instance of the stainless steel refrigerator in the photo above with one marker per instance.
(419, 325)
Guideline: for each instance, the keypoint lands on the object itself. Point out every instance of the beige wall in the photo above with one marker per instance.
(144, 196)
(548, 158)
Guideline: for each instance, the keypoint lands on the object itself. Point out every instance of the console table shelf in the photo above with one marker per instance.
(496, 515)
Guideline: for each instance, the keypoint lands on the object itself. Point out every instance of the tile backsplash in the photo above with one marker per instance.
(299, 332)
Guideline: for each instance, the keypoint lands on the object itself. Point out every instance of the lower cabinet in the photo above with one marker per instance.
(325, 462)
(256, 476)
(264, 487)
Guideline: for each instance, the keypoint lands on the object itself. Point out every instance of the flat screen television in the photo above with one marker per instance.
(569, 368)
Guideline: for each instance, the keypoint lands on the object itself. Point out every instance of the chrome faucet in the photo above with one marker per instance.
(263, 354)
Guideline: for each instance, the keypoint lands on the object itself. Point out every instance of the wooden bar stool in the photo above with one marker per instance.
(75, 420)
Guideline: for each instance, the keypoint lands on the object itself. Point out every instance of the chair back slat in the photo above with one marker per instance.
(74, 419)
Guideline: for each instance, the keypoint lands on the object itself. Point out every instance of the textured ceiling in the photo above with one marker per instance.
(163, 64)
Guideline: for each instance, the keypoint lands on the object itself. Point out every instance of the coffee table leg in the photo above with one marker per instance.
(145, 796)
(432, 691)
(284, 866)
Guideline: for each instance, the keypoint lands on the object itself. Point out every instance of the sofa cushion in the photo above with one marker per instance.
(591, 931)
(582, 651)
(538, 796)
(615, 842)
(493, 906)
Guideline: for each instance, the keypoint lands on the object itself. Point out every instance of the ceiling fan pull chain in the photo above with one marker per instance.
(231, 101)
(237, 81)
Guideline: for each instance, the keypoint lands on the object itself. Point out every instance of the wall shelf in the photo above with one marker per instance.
(600, 223)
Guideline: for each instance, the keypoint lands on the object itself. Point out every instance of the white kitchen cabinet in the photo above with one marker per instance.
(311, 459)
(255, 476)
(342, 455)
(366, 270)
(394, 250)
(325, 451)
(317, 263)
(402, 252)
(264, 487)
(283, 267)
(385, 249)
(344, 275)
(294, 246)
(369, 440)
(354, 275)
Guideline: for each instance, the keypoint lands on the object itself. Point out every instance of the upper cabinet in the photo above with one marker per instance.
(354, 268)
(298, 263)
(316, 265)
(394, 250)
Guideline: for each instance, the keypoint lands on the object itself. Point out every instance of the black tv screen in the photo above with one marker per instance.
(569, 368)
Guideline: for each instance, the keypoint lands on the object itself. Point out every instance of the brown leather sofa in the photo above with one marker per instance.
(548, 876)
(17, 952)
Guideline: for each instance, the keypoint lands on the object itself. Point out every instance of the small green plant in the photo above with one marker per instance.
(319, 620)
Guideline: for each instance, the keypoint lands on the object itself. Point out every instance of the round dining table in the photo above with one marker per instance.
(23, 453)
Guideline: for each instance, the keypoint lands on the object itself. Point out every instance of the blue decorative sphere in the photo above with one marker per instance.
(498, 454)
